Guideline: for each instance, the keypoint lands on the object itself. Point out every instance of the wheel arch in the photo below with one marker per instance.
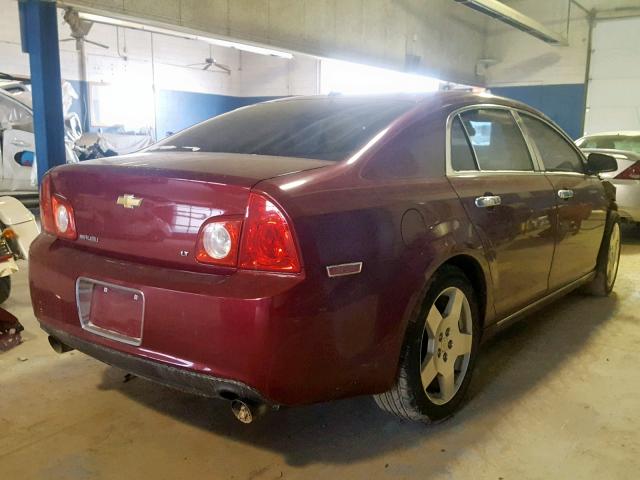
(473, 270)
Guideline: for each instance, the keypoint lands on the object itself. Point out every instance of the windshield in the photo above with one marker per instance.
(15, 115)
(327, 128)
(630, 143)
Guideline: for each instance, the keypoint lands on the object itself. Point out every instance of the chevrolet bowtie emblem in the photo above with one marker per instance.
(129, 201)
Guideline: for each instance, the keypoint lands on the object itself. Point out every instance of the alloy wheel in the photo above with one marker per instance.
(613, 255)
(446, 345)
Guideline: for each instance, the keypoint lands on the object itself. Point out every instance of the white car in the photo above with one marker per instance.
(624, 146)
(16, 136)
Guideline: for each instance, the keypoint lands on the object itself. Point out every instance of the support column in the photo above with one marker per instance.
(39, 35)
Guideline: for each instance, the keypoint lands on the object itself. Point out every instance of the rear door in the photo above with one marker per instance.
(509, 202)
(581, 202)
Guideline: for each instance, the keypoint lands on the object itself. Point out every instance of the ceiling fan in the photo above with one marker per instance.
(211, 62)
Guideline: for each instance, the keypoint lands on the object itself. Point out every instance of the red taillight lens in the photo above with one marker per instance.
(631, 173)
(65, 225)
(56, 213)
(266, 243)
(218, 242)
(46, 209)
(267, 239)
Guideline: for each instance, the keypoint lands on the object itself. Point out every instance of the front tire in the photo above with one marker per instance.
(608, 260)
(439, 351)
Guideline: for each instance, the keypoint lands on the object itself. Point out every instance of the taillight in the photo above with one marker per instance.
(218, 242)
(63, 218)
(267, 239)
(631, 173)
(46, 209)
(264, 241)
(56, 213)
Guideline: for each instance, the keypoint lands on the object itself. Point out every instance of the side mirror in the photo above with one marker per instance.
(600, 163)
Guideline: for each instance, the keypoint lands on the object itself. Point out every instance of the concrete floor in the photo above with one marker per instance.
(555, 396)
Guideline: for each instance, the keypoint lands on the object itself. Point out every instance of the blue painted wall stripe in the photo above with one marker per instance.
(564, 104)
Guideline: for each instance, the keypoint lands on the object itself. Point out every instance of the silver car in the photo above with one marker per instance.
(625, 148)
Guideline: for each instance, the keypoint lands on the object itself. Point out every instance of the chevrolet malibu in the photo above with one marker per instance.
(314, 248)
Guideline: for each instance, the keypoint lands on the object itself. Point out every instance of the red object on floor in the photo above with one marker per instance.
(10, 329)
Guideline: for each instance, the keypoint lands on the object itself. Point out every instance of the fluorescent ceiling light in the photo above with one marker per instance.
(246, 47)
(513, 17)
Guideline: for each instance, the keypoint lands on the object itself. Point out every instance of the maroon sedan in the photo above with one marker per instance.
(314, 248)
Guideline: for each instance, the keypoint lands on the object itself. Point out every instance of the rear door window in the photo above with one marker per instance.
(461, 154)
(557, 153)
(413, 153)
(496, 140)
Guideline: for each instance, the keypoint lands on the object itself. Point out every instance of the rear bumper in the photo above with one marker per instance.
(628, 199)
(294, 339)
(180, 379)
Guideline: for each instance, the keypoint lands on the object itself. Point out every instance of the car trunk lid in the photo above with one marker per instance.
(151, 206)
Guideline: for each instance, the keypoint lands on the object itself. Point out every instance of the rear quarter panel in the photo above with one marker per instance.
(352, 327)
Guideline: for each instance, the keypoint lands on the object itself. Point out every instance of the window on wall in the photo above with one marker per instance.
(353, 78)
(125, 105)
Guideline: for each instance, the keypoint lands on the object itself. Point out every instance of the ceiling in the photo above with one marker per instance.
(600, 5)
(609, 4)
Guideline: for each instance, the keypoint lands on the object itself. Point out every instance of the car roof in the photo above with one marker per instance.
(461, 96)
(449, 98)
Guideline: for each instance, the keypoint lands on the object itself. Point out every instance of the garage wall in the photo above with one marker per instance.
(438, 38)
(184, 95)
(614, 80)
(550, 78)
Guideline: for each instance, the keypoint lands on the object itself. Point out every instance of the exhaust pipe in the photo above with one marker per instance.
(246, 411)
(58, 346)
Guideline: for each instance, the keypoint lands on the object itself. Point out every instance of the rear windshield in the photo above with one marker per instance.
(630, 143)
(321, 128)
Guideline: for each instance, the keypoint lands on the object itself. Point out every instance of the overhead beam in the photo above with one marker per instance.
(514, 18)
(39, 35)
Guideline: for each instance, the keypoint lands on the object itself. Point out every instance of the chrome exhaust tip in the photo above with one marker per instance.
(58, 346)
(246, 411)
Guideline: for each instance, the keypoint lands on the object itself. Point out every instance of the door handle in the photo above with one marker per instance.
(488, 201)
(18, 143)
(565, 194)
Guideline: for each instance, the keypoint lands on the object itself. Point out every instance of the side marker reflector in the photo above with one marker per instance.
(344, 269)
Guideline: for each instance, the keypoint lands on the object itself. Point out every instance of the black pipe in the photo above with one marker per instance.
(58, 346)
(247, 411)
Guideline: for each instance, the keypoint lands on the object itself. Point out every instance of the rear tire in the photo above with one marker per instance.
(608, 259)
(5, 288)
(439, 351)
